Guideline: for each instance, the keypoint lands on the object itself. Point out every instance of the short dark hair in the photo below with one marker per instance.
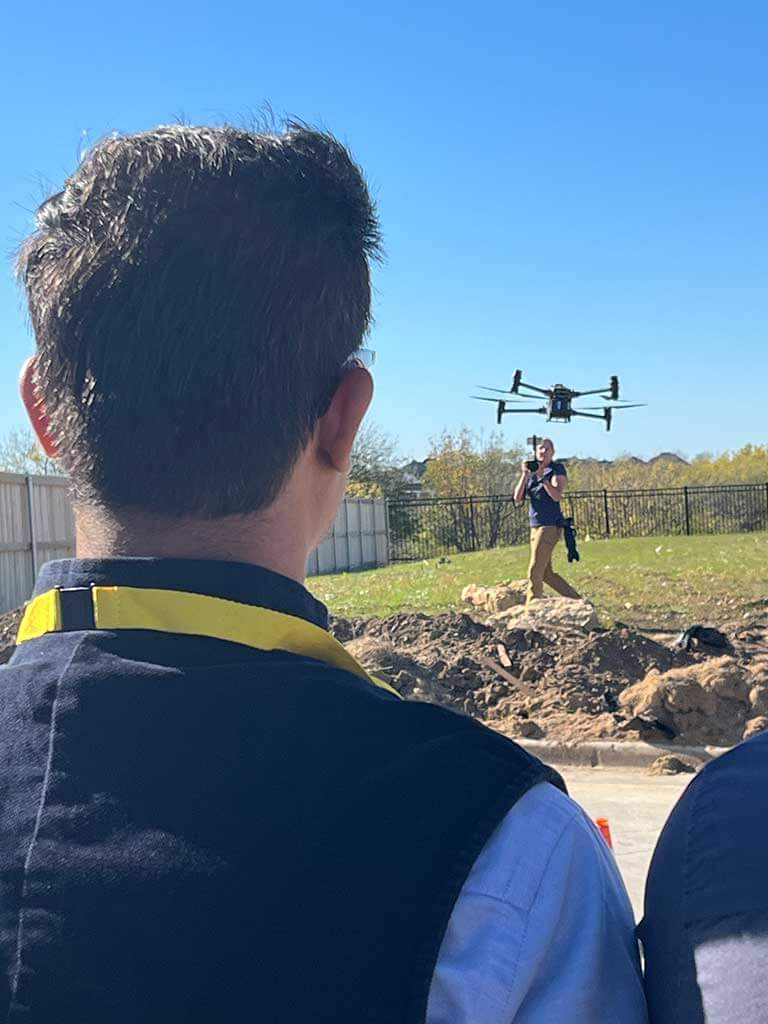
(194, 292)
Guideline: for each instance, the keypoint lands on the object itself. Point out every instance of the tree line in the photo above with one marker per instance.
(465, 463)
(468, 463)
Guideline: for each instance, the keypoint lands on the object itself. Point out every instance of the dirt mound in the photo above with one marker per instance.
(9, 626)
(754, 726)
(707, 702)
(669, 764)
(563, 686)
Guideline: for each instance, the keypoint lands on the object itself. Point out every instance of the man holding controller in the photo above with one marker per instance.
(544, 487)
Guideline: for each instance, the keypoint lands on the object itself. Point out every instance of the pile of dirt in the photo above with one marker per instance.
(9, 626)
(716, 700)
(670, 764)
(564, 686)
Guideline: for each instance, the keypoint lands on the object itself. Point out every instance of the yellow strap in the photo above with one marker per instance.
(174, 611)
(42, 615)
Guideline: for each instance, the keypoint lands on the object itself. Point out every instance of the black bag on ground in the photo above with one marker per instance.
(702, 636)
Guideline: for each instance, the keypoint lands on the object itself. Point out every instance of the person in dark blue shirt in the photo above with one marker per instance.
(544, 490)
(705, 930)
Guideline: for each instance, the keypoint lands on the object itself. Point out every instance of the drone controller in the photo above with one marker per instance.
(532, 464)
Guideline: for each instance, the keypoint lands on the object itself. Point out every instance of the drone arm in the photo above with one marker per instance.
(607, 416)
(596, 391)
(542, 409)
(531, 387)
(588, 415)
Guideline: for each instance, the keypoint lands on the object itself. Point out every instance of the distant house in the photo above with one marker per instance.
(668, 457)
(412, 474)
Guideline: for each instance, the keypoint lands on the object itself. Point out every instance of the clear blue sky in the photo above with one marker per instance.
(577, 189)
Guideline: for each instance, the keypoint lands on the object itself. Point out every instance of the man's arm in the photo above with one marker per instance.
(543, 931)
(519, 493)
(555, 486)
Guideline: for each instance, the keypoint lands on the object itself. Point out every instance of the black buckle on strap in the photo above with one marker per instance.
(76, 604)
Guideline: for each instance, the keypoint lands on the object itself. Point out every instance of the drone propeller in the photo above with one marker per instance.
(629, 405)
(496, 401)
(499, 391)
(509, 397)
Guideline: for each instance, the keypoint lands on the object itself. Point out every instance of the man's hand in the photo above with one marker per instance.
(519, 493)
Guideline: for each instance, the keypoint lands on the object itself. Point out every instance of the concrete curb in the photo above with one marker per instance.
(605, 754)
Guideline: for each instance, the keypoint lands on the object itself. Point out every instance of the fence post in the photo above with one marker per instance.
(32, 536)
(472, 532)
(387, 534)
(687, 513)
(605, 507)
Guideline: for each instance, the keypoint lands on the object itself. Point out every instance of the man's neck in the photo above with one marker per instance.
(266, 540)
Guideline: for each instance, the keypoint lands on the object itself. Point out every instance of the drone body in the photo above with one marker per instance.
(559, 401)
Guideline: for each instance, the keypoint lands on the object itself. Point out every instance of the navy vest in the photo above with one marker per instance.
(192, 830)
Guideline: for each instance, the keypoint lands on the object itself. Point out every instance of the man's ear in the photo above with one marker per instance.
(338, 426)
(33, 403)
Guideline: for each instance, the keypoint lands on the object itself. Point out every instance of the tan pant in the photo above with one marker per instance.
(540, 571)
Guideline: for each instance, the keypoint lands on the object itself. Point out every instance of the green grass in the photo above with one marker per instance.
(648, 581)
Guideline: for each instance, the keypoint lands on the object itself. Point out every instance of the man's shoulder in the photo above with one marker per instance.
(727, 795)
(739, 774)
(715, 838)
(558, 469)
(539, 836)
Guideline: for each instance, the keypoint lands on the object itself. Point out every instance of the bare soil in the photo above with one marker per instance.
(565, 685)
(9, 624)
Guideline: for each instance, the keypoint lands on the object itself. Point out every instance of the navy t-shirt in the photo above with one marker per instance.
(543, 510)
(705, 931)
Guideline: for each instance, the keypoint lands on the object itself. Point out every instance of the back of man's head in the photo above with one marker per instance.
(194, 293)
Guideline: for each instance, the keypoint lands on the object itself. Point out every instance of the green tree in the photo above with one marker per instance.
(375, 458)
(479, 473)
(21, 453)
(466, 464)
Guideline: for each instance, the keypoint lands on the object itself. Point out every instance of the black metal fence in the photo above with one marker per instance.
(426, 527)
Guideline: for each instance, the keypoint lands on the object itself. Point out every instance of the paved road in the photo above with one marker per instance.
(636, 805)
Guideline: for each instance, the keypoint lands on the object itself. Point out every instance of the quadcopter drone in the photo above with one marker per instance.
(559, 405)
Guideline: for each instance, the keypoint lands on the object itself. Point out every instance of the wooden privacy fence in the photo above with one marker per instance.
(36, 526)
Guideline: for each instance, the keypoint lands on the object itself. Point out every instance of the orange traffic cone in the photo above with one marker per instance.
(605, 831)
